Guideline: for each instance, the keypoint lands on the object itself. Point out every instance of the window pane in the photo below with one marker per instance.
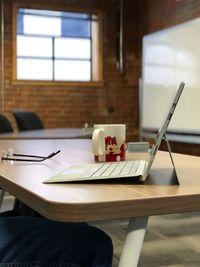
(34, 46)
(20, 23)
(72, 48)
(75, 27)
(34, 69)
(75, 15)
(41, 12)
(72, 70)
(42, 25)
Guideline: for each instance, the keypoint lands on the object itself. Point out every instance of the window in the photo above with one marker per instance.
(57, 45)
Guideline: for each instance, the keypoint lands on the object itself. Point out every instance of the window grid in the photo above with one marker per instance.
(91, 50)
(53, 58)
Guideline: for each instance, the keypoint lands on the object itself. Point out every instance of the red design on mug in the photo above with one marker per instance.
(114, 152)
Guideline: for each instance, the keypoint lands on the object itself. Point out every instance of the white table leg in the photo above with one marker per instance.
(133, 242)
(2, 193)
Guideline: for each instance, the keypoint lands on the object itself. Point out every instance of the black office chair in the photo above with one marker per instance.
(5, 125)
(27, 120)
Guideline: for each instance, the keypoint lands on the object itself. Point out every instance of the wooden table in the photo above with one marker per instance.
(100, 201)
(58, 133)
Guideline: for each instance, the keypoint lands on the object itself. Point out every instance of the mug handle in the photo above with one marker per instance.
(98, 143)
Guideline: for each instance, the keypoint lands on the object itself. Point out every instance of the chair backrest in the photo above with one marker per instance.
(5, 125)
(27, 120)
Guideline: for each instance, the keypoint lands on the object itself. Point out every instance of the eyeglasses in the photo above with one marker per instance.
(10, 155)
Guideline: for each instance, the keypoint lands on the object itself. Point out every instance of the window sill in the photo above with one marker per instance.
(58, 83)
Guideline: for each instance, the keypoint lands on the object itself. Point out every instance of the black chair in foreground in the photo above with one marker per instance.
(5, 125)
(27, 120)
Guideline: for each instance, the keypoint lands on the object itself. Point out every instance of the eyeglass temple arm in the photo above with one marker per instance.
(20, 159)
(53, 154)
(34, 156)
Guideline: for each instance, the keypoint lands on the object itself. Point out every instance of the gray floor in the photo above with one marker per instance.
(170, 241)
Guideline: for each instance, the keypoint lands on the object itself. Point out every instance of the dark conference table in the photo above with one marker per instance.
(87, 202)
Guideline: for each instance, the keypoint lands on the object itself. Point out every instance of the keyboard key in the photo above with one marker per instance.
(127, 169)
(141, 167)
(134, 167)
(101, 170)
(93, 169)
(119, 168)
(109, 170)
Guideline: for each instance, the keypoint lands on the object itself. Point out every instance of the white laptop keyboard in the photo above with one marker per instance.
(96, 171)
(115, 169)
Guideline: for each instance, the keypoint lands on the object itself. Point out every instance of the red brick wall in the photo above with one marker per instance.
(115, 102)
(160, 14)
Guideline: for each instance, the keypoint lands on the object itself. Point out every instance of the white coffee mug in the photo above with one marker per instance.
(108, 141)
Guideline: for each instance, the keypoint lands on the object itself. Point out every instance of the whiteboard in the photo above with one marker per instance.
(170, 56)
